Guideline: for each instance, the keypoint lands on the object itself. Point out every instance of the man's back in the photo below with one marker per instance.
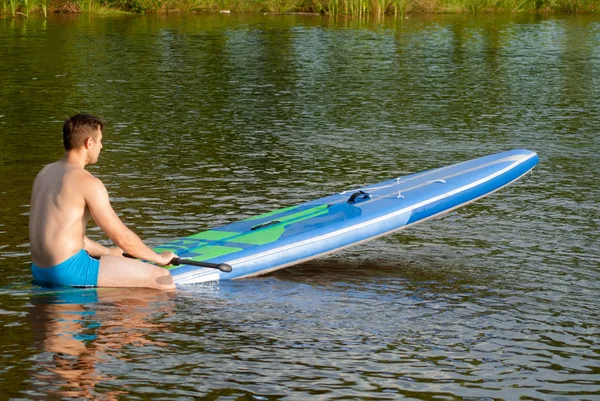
(58, 213)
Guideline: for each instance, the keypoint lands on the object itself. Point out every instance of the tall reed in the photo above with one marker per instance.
(352, 8)
(85, 5)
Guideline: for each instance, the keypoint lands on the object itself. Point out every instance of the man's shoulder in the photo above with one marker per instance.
(82, 177)
(46, 169)
(49, 172)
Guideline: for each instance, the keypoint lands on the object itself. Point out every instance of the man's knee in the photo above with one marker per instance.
(165, 280)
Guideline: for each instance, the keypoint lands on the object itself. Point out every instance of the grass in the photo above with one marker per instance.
(354, 8)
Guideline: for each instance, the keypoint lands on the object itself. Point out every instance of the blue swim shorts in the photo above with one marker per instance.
(80, 270)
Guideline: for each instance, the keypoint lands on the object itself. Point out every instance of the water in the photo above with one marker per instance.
(211, 119)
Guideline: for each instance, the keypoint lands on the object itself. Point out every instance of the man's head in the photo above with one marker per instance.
(80, 127)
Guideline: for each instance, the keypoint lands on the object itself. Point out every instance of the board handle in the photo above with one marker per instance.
(267, 224)
(359, 195)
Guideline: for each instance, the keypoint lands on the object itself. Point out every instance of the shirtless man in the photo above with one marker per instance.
(65, 196)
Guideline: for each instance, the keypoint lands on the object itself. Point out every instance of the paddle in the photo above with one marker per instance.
(224, 267)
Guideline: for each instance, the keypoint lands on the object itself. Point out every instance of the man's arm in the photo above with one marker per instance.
(96, 249)
(97, 200)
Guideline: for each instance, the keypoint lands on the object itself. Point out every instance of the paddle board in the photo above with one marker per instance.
(292, 235)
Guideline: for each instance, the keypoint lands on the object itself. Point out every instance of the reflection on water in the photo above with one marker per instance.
(338, 327)
(81, 330)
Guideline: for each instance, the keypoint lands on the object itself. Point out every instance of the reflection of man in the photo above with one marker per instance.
(85, 329)
(64, 198)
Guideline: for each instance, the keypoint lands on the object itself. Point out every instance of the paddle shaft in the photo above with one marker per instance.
(224, 267)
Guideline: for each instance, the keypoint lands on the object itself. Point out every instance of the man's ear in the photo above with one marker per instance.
(88, 142)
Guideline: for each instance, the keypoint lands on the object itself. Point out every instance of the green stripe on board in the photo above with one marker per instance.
(263, 236)
(260, 236)
(305, 214)
(186, 242)
(182, 245)
(166, 248)
(211, 251)
(272, 233)
(213, 235)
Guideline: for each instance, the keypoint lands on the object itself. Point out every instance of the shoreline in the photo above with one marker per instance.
(331, 8)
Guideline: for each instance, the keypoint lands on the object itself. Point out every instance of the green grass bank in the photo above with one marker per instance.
(355, 8)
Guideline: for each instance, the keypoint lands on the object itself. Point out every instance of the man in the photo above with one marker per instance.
(65, 196)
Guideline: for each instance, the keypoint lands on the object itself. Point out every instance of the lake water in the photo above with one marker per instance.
(212, 119)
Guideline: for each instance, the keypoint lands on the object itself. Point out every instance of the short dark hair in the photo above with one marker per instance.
(78, 128)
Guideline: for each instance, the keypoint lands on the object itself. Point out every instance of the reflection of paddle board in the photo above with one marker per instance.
(296, 234)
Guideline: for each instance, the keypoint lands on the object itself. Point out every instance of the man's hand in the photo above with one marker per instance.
(165, 258)
(115, 251)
